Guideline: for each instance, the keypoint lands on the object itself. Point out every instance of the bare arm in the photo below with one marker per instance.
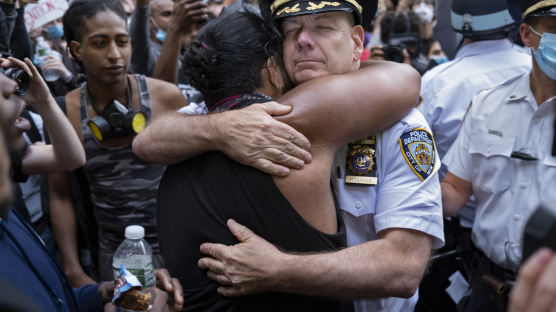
(186, 14)
(165, 97)
(455, 193)
(65, 229)
(243, 135)
(341, 108)
(251, 137)
(399, 260)
(65, 152)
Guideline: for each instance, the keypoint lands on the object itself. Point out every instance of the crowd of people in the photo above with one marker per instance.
(346, 155)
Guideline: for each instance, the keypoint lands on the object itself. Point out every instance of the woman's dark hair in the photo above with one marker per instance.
(81, 10)
(228, 53)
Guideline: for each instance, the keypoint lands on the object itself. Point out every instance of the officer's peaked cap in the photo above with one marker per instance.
(363, 10)
(539, 8)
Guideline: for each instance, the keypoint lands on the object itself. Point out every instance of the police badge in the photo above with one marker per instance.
(361, 163)
(418, 149)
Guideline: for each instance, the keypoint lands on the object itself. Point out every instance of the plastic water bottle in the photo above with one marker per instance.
(136, 256)
(42, 50)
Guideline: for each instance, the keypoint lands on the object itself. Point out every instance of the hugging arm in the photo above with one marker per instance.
(249, 136)
(334, 114)
(342, 108)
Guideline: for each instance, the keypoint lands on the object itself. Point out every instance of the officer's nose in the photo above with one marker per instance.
(305, 39)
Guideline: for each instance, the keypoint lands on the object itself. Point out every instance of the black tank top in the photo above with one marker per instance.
(198, 196)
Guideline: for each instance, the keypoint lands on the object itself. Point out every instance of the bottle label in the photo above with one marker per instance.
(144, 275)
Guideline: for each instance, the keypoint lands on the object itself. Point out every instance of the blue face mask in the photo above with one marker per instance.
(55, 32)
(545, 55)
(440, 59)
(160, 35)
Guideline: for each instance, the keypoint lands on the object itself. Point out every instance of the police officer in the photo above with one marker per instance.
(447, 91)
(386, 185)
(502, 157)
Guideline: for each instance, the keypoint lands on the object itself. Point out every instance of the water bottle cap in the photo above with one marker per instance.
(134, 232)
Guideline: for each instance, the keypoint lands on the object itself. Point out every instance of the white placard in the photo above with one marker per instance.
(37, 15)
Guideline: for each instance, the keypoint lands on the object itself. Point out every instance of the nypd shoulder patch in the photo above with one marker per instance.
(418, 149)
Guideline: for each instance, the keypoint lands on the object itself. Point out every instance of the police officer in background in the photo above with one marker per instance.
(447, 91)
(503, 157)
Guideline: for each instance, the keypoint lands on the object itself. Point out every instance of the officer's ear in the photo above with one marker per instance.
(275, 75)
(358, 38)
(526, 35)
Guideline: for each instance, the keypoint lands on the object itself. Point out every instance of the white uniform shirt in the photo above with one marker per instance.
(399, 200)
(447, 91)
(503, 120)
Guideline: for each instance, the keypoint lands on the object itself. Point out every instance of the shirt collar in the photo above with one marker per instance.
(482, 46)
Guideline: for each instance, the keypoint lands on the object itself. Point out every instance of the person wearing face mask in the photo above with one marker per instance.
(434, 53)
(152, 22)
(57, 64)
(425, 10)
(503, 157)
(54, 30)
(147, 28)
(447, 90)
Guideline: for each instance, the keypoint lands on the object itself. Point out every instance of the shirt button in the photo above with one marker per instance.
(517, 217)
(523, 185)
(358, 205)
(536, 121)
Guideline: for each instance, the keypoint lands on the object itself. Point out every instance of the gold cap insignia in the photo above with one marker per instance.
(539, 5)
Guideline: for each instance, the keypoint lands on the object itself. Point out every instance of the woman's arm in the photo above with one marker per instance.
(337, 109)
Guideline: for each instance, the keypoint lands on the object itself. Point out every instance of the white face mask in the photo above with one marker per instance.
(425, 12)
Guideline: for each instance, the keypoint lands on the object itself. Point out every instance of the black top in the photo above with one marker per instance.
(198, 196)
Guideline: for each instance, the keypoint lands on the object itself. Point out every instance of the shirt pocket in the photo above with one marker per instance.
(493, 167)
(356, 200)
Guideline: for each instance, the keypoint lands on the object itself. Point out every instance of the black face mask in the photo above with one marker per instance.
(116, 120)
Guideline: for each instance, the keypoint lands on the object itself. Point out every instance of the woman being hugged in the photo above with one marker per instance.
(106, 113)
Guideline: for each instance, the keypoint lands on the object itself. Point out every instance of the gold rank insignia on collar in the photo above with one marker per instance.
(361, 163)
(363, 10)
